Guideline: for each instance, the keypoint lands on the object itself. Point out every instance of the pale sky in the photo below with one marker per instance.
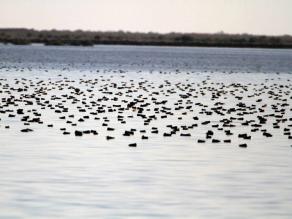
(272, 17)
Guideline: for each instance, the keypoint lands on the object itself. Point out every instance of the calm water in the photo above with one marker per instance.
(147, 58)
(45, 174)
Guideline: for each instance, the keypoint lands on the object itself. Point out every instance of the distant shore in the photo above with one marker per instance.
(89, 38)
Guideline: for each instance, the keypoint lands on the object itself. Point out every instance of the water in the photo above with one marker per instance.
(148, 58)
(45, 174)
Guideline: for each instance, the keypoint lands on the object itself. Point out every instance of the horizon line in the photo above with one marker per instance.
(144, 32)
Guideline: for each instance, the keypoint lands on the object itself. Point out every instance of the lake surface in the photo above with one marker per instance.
(48, 174)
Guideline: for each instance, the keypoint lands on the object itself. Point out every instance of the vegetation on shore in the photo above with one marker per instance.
(88, 38)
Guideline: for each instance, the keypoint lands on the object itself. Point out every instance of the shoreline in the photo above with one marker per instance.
(22, 36)
(149, 45)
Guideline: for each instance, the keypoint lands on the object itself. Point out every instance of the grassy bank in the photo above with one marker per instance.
(89, 38)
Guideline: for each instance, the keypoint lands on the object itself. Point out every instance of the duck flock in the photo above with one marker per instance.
(140, 106)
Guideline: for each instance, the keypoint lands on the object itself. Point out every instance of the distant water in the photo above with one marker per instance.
(148, 58)
(45, 174)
